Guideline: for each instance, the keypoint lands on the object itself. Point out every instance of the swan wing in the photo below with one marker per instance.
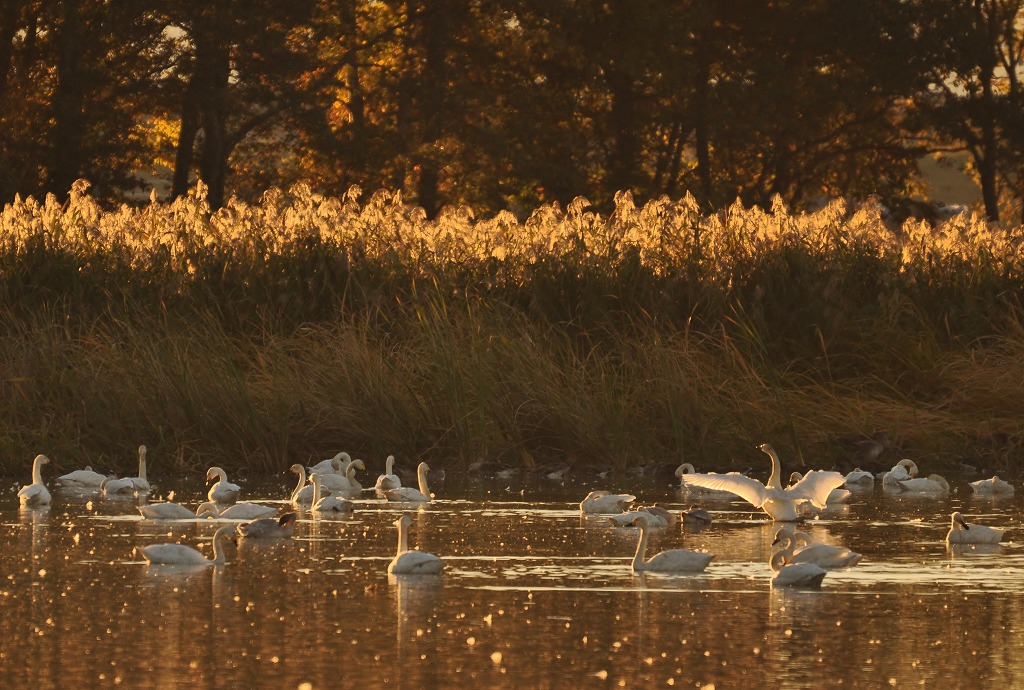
(173, 554)
(815, 487)
(747, 488)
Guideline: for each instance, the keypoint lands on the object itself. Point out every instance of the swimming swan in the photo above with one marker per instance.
(860, 478)
(36, 493)
(409, 494)
(269, 528)
(180, 554)
(779, 503)
(604, 503)
(807, 551)
(992, 487)
(656, 517)
(140, 482)
(344, 484)
(336, 465)
(794, 574)
(167, 511)
(117, 487)
(671, 561)
(388, 480)
(904, 469)
(237, 511)
(81, 479)
(962, 533)
(932, 484)
(303, 492)
(327, 504)
(222, 491)
(412, 562)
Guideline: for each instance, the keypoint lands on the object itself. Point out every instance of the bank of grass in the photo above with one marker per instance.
(287, 330)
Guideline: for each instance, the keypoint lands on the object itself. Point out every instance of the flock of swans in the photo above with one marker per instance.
(329, 486)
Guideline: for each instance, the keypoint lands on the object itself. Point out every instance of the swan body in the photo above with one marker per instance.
(36, 493)
(222, 491)
(409, 494)
(412, 562)
(687, 469)
(932, 484)
(344, 484)
(140, 482)
(795, 574)
(327, 504)
(236, 511)
(81, 479)
(269, 528)
(656, 517)
(696, 517)
(388, 480)
(336, 465)
(671, 561)
(180, 554)
(860, 478)
(806, 551)
(960, 532)
(166, 511)
(780, 503)
(117, 487)
(836, 496)
(604, 503)
(903, 470)
(303, 492)
(992, 487)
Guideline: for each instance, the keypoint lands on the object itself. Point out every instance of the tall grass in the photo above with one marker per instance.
(283, 331)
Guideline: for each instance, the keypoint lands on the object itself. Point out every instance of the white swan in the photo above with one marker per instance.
(269, 528)
(860, 478)
(795, 574)
(412, 562)
(409, 494)
(303, 492)
(904, 469)
(336, 465)
(807, 551)
(140, 482)
(81, 479)
(180, 554)
(686, 469)
(36, 493)
(327, 504)
(117, 487)
(932, 484)
(656, 517)
(605, 503)
(388, 480)
(671, 561)
(236, 511)
(960, 532)
(222, 491)
(170, 511)
(992, 487)
(344, 484)
(836, 496)
(779, 503)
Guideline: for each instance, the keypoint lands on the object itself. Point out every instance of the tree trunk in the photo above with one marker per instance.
(185, 151)
(65, 159)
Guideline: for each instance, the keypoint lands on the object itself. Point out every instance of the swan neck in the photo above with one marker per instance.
(403, 538)
(775, 480)
(780, 557)
(316, 489)
(641, 549)
(37, 470)
(301, 483)
(142, 464)
(218, 548)
(389, 465)
(421, 479)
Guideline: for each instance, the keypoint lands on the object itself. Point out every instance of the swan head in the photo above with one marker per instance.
(314, 478)
(40, 460)
(685, 468)
(958, 519)
(142, 450)
(297, 469)
(795, 477)
(215, 473)
(910, 465)
(784, 533)
(766, 448)
(402, 522)
(641, 521)
(359, 465)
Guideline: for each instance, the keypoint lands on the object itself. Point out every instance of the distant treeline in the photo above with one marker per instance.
(263, 334)
(507, 104)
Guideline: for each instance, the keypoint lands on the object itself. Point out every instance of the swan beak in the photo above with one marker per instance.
(776, 541)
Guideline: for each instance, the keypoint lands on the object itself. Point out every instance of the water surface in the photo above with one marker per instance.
(535, 595)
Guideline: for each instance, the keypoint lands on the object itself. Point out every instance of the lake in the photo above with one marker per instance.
(534, 596)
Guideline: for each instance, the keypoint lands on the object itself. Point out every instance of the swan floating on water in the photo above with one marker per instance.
(992, 487)
(327, 504)
(222, 491)
(180, 554)
(36, 493)
(236, 511)
(780, 503)
(794, 574)
(960, 532)
(388, 480)
(410, 561)
(409, 494)
(656, 517)
(81, 479)
(303, 492)
(269, 528)
(168, 511)
(904, 469)
(804, 550)
(671, 561)
(605, 503)
(336, 465)
(859, 478)
(932, 484)
(140, 482)
(344, 484)
(117, 487)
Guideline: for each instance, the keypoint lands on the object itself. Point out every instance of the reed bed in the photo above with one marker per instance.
(283, 331)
